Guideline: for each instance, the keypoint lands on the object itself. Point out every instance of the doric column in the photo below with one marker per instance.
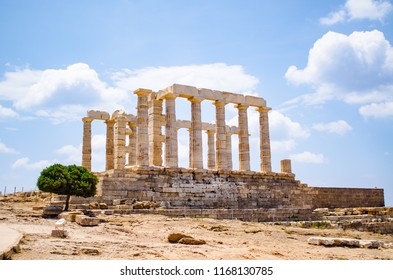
(86, 144)
(155, 136)
(142, 142)
(171, 159)
(196, 158)
(109, 145)
(244, 146)
(211, 152)
(229, 150)
(286, 166)
(265, 154)
(221, 155)
(120, 142)
(132, 145)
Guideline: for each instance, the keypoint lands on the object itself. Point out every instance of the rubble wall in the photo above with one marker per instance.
(233, 190)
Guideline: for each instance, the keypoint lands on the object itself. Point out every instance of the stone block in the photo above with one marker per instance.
(86, 221)
(51, 211)
(59, 233)
(70, 216)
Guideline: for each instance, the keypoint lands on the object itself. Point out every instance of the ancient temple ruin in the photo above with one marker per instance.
(142, 161)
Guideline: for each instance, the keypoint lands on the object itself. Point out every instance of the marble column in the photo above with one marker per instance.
(142, 141)
(171, 158)
(155, 134)
(196, 158)
(86, 143)
(244, 146)
(132, 145)
(211, 152)
(120, 142)
(109, 144)
(229, 150)
(221, 148)
(265, 154)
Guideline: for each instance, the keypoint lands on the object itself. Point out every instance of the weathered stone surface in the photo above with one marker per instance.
(191, 241)
(175, 237)
(86, 221)
(345, 242)
(70, 216)
(59, 233)
(89, 251)
(51, 211)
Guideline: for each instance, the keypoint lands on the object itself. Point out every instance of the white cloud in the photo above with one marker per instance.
(6, 150)
(377, 110)
(73, 155)
(357, 68)
(282, 126)
(308, 157)
(218, 76)
(359, 9)
(6, 113)
(282, 145)
(25, 163)
(339, 127)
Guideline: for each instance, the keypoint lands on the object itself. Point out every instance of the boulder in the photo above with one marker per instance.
(175, 237)
(191, 241)
(59, 233)
(103, 205)
(51, 211)
(345, 242)
(86, 221)
(94, 205)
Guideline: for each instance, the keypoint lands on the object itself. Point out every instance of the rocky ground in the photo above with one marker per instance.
(145, 237)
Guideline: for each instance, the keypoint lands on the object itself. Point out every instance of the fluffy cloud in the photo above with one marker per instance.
(359, 9)
(6, 150)
(218, 76)
(308, 157)
(339, 127)
(282, 127)
(25, 163)
(6, 113)
(357, 68)
(377, 110)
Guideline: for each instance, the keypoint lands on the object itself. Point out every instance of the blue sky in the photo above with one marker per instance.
(325, 67)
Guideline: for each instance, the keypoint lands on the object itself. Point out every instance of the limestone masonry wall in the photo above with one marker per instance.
(232, 190)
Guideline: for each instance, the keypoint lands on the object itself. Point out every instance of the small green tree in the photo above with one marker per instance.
(68, 180)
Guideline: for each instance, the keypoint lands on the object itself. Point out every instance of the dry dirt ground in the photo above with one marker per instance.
(144, 237)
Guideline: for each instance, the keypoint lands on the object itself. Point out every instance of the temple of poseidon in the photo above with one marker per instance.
(137, 166)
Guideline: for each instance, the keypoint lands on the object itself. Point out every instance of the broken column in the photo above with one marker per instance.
(286, 166)
(171, 159)
(142, 142)
(265, 154)
(86, 143)
(244, 146)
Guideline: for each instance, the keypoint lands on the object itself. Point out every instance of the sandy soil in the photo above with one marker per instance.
(144, 237)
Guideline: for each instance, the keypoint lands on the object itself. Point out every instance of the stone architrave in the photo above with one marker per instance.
(229, 150)
(155, 135)
(86, 144)
(211, 152)
(265, 153)
(244, 146)
(196, 158)
(171, 158)
(109, 144)
(221, 148)
(120, 142)
(132, 145)
(142, 142)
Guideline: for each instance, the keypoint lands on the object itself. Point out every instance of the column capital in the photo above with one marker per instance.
(218, 103)
(210, 132)
(87, 120)
(263, 109)
(109, 122)
(242, 106)
(142, 91)
(170, 96)
(195, 100)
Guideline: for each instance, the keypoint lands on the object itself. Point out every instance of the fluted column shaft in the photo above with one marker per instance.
(211, 152)
(120, 142)
(221, 154)
(229, 151)
(142, 142)
(132, 145)
(244, 146)
(265, 153)
(196, 158)
(155, 136)
(171, 159)
(109, 145)
(86, 143)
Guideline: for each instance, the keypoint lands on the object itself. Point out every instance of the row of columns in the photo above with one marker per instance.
(145, 138)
